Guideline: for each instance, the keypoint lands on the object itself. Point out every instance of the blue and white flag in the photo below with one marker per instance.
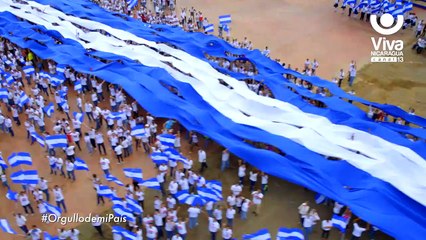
(134, 206)
(23, 99)
(20, 158)
(134, 173)
(408, 7)
(38, 138)
(4, 93)
(49, 109)
(57, 141)
(117, 116)
(172, 154)
(159, 158)
(209, 28)
(138, 130)
(121, 211)
(398, 3)
(60, 68)
(80, 164)
(47, 236)
(77, 86)
(225, 19)
(104, 191)
(5, 226)
(347, 2)
(190, 199)
(215, 185)
(9, 78)
(151, 183)
(262, 234)
(290, 234)
(128, 235)
(226, 28)
(44, 74)
(320, 199)
(339, 223)
(131, 4)
(118, 201)
(111, 178)
(208, 194)
(322, 131)
(78, 116)
(2, 162)
(11, 195)
(28, 70)
(25, 177)
(57, 79)
(53, 209)
(166, 139)
(395, 11)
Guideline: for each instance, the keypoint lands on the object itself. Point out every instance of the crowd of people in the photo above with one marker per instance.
(109, 138)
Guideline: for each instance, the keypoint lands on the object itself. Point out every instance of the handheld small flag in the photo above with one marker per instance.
(138, 130)
(166, 139)
(151, 183)
(111, 178)
(25, 177)
(80, 164)
(224, 19)
(262, 234)
(53, 209)
(57, 141)
(209, 28)
(11, 195)
(134, 173)
(5, 226)
(78, 116)
(20, 158)
(49, 109)
(38, 139)
(290, 233)
(339, 223)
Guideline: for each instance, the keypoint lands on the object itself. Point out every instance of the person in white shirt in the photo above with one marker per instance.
(59, 197)
(88, 108)
(100, 142)
(63, 234)
(227, 233)
(105, 165)
(193, 213)
(119, 153)
(140, 195)
(89, 145)
(35, 233)
(70, 170)
(257, 201)
(97, 224)
(264, 182)
(326, 226)
(244, 208)
(253, 179)
(337, 208)
(70, 153)
(43, 185)
(358, 230)
(202, 158)
(303, 211)
(173, 187)
(213, 227)
(209, 208)
(21, 221)
(217, 214)
(181, 228)
(225, 160)
(242, 173)
(25, 203)
(73, 234)
(151, 232)
(230, 214)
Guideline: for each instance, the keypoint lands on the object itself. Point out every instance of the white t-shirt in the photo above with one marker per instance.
(227, 233)
(181, 228)
(23, 199)
(104, 164)
(241, 171)
(118, 150)
(151, 232)
(58, 194)
(213, 225)
(230, 213)
(326, 225)
(357, 232)
(257, 198)
(193, 212)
